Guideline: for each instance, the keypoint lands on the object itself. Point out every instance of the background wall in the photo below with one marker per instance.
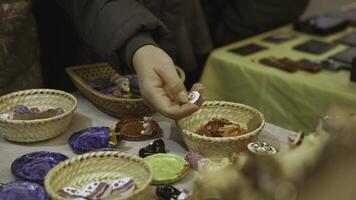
(320, 6)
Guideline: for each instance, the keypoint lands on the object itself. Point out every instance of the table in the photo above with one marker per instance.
(87, 115)
(293, 101)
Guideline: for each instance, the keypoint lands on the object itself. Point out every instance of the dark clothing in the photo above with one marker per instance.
(112, 31)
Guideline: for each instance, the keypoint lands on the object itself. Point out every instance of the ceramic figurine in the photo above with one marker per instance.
(156, 146)
(168, 192)
(261, 148)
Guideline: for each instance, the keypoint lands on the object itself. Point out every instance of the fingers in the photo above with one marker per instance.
(173, 84)
(163, 104)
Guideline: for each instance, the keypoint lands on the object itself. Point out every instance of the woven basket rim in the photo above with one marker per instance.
(71, 71)
(225, 139)
(35, 91)
(92, 155)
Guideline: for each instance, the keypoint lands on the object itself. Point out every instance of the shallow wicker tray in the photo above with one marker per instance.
(40, 129)
(103, 166)
(245, 116)
(114, 106)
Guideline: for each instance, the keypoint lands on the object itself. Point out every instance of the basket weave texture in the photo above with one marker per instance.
(222, 146)
(114, 106)
(103, 166)
(39, 129)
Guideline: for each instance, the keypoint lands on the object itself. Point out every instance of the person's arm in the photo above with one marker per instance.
(114, 29)
(121, 32)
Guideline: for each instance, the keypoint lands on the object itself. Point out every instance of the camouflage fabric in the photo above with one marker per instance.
(19, 53)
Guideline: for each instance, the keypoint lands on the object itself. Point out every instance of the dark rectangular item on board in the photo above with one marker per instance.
(321, 25)
(348, 39)
(248, 49)
(314, 47)
(276, 63)
(280, 38)
(345, 56)
(353, 70)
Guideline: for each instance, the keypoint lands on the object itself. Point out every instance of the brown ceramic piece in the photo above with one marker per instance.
(137, 128)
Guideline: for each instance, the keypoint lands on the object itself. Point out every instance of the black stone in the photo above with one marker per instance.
(167, 192)
(156, 146)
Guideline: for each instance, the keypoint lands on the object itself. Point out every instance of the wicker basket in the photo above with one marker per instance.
(40, 129)
(114, 106)
(103, 166)
(244, 115)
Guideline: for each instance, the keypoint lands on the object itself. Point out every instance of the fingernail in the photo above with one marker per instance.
(183, 97)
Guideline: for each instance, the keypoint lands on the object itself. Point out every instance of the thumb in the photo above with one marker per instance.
(173, 84)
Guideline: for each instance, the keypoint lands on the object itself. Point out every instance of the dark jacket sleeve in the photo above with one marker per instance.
(115, 29)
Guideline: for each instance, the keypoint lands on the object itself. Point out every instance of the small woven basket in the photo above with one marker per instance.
(114, 106)
(39, 129)
(103, 166)
(245, 116)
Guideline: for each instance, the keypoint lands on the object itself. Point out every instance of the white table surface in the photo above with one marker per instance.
(88, 115)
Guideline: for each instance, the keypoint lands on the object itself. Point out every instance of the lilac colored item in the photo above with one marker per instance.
(109, 90)
(90, 139)
(20, 109)
(34, 166)
(97, 84)
(134, 83)
(107, 149)
(59, 111)
(23, 190)
(35, 110)
(193, 159)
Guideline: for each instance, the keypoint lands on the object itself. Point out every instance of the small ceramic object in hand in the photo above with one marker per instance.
(156, 146)
(23, 190)
(261, 148)
(168, 192)
(193, 97)
(92, 139)
(34, 166)
(137, 128)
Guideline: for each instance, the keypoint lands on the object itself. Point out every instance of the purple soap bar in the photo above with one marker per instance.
(20, 109)
(90, 139)
(134, 83)
(23, 190)
(34, 166)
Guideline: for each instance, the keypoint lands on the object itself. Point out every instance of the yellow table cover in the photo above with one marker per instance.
(292, 100)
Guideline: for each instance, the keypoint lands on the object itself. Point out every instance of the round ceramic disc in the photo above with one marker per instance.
(167, 168)
(133, 129)
(23, 190)
(193, 96)
(90, 139)
(34, 166)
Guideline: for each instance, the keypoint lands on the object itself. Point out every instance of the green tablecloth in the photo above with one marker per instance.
(294, 101)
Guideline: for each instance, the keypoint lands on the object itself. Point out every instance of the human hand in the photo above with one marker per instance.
(160, 84)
